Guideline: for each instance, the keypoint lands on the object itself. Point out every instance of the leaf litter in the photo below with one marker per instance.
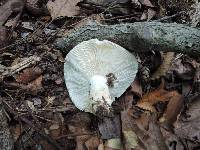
(160, 110)
(62, 8)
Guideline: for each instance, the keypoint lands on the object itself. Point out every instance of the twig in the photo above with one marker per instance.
(20, 66)
(170, 17)
(75, 134)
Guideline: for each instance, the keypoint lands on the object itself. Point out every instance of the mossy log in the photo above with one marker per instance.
(139, 37)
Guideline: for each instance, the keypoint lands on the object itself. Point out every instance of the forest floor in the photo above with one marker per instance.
(160, 110)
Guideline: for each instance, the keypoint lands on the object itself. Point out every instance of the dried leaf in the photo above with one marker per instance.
(173, 110)
(113, 144)
(92, 19)
(130, 138)
(80, 141)
(79, 123)
(50, 100)
(36, 84)
(34, 7)
(186, 88)
(156, 134)
(146, 3)
(196, 65)
(183, 70)
(158, 95)
(146, 105)
(143, 120)
(55, 131)
(60, 8)
(28, 75)
(92, 143)
(144, 16)
(20, 64)
(110, 127)
(136, 3)
(189, 127)
(54, 126)
(164, 67)
(4, 36)
(151, 13)
(30, 105)
(195, 14)
(101, 147)
(172, 141)
(16, 131)
(8, 8)
(136, 88)
(37, 101)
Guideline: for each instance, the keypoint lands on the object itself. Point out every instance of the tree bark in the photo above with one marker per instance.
(138, 37)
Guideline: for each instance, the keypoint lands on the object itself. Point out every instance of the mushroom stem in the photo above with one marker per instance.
(99, 92)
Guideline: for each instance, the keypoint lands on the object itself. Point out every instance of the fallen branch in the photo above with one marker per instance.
(8, 71)
(139, 37)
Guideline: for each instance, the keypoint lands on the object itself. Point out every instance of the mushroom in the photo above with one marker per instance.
(96, 72)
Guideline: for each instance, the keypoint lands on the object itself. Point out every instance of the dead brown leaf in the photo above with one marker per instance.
(4, 36)
(144, 15)
(174, 106)
(189, 127)
(143, 121)
(171, 140)
(36, 84)
(195, 14)
(158, 95)
(196, 65)
(34, 8)
(156, 134)
(46, 144)
(16, 131)
(80, 141)
(136, 88)
(149, 137)
(173, 109)
(131, 140)
(55, 131)
(11, 6)
(59, 8)
(151, 13)
(79, 124)
(146, 3)
(110, 127)
(29, 74)
(92, 19)
(136, 3)
(164, 67)
(92, 143)
(183, 69)
(113, 144)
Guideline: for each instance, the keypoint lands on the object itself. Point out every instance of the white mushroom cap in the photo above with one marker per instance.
(96, 72)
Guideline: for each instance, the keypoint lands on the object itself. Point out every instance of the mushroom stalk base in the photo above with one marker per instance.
(99, 93)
